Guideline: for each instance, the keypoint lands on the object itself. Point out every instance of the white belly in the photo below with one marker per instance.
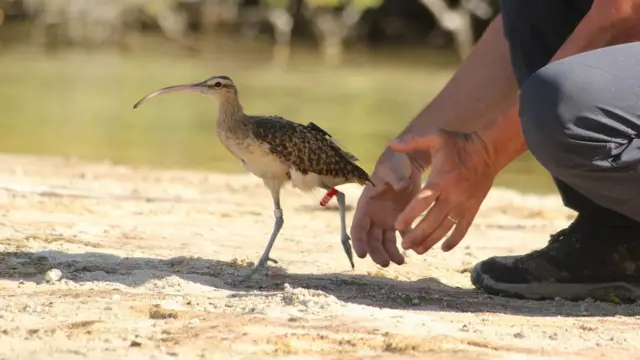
(257, 159)
(305, 182)
(265, 167)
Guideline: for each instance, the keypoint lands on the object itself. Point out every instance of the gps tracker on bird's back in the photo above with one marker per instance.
(317, 128)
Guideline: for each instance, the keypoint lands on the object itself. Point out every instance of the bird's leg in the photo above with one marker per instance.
(346, 240)
(279, 221)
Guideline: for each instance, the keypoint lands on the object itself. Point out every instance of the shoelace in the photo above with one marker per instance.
(564, 234)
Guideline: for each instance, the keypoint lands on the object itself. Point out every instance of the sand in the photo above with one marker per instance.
(111, 262)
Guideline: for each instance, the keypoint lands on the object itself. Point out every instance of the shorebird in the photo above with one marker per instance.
(279, 151)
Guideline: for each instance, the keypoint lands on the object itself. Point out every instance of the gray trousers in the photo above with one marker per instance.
(581, 120)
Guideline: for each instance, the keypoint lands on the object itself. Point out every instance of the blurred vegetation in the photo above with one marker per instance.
(330, 23)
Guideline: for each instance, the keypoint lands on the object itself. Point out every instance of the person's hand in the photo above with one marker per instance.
(397, 181)
(462, 173)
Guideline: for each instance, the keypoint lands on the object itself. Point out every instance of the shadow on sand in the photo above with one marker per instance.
(424, 294)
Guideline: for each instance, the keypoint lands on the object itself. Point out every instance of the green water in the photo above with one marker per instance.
(79, 103)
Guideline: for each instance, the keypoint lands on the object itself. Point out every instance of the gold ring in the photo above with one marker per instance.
(453, 220)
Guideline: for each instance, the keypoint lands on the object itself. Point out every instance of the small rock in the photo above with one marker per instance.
(169, 352)
(115, 297)
(53, 275)
(519, 335)
(194, 321)
(135, 343)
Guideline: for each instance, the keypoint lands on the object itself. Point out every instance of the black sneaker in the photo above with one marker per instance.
(579, 262)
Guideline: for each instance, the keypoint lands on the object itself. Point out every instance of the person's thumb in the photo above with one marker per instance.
(393, 174)
(409, 143)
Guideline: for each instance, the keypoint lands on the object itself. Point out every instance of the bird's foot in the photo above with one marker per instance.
(261, 265)
(346, 245)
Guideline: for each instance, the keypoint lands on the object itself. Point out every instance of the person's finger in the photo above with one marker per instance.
(419, 204)
(374, 245)
(428, 243)
(359, 229)
(390, 245)
(404, 232)
(462, 227)
(409, 143)
(436, 235)
(429, 223)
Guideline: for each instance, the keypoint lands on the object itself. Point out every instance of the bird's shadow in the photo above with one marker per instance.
(427, 294)
(310, 208)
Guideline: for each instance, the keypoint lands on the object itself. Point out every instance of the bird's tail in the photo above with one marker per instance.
(362, 177)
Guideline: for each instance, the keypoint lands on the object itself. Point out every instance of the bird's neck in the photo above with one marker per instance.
(230, 110)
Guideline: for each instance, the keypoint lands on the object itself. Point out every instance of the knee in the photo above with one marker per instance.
(544, 114)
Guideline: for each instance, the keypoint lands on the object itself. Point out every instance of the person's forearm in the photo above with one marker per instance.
(476, 92)
(503, 136)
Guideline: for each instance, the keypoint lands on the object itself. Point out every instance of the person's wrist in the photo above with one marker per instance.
(503, 140)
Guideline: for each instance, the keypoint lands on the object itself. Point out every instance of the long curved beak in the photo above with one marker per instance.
(170, 89)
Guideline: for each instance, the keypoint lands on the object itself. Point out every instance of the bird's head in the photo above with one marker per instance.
(221, 87)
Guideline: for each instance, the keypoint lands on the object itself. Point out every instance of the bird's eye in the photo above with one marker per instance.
(217, 84)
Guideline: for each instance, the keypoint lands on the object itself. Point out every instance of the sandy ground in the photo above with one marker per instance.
(148, 259)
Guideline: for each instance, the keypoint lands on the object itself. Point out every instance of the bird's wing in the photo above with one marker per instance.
(305, 148)
(317, 128)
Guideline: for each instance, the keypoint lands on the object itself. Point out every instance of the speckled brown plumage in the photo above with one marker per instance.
(306, 149)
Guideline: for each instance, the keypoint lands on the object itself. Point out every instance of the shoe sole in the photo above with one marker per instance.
(620, 292)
